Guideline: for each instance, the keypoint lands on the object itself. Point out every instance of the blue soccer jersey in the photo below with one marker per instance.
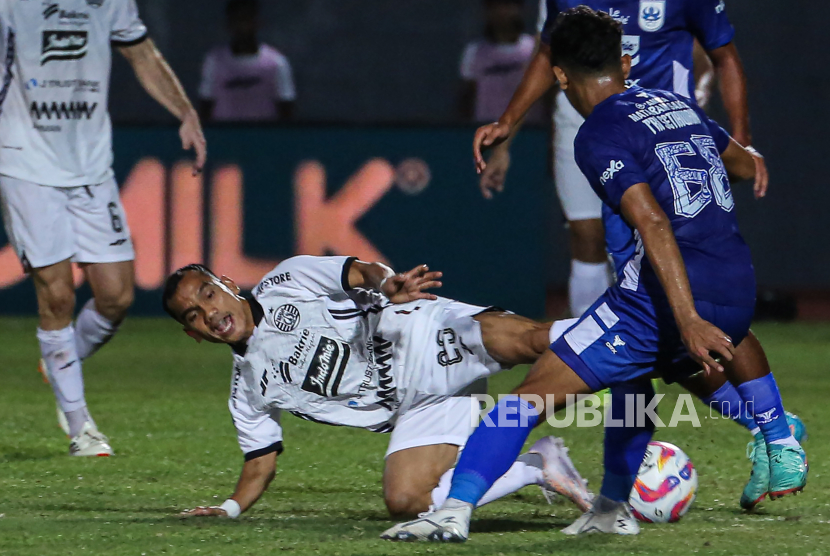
(656, 137)
(658, 35)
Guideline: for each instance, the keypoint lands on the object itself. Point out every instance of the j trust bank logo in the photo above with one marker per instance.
(63, 45)
(613, 168)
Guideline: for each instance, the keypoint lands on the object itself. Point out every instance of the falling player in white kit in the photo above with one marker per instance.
(60, 202)
(339, 341)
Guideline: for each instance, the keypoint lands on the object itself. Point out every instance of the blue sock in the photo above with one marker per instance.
(625, 446)
(762, 397)
(492, 449)
(727, 401)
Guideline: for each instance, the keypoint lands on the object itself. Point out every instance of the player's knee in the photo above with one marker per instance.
(57, 301)
(114, 305)
(405, 502)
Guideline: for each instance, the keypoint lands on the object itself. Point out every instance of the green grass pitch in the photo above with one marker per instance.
(162, 401)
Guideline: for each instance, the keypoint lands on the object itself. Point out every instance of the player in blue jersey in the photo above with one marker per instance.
(687, 296)
(659, 36)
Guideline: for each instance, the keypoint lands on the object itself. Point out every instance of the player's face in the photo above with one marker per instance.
(211, 309)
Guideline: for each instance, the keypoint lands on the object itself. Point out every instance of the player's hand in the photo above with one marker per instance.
(761, 174)
(409, 286)
(494, 174)
(702, 340)
(205, 511)
(192, 137)
(488, 136)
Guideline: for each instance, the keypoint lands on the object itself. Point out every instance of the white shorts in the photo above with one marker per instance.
(46, 224)
(579, 202)
(437, 420)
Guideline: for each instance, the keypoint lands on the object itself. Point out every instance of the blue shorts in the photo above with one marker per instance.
(625, 335)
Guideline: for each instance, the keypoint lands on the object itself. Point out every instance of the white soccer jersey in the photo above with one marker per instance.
(54, 124)
(346, 357)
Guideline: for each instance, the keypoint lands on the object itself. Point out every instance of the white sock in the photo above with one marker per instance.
(57, 347)
(588, 281)
(92, 330)
(519, 475)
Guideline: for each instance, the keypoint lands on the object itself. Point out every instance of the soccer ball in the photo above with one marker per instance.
(666, 484)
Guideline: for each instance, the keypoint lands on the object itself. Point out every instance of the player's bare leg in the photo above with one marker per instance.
(589, 264)
(513, 340)
(411, 475)
(55, 291)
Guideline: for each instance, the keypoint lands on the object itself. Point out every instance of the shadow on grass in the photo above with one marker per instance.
(13, 455)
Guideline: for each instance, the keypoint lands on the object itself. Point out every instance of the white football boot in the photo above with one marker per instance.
(90, 443)
(560, 474)
(605, 516)
(447, 524)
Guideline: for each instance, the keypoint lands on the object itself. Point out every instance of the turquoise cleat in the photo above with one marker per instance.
(797, 428)
(787, 470)
(758, 485)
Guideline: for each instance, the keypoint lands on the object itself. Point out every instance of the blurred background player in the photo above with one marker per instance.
(492, 67)
(659, 37)
(246, 80)
(60, 200)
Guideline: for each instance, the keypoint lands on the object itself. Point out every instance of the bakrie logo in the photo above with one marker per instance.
(63, 45)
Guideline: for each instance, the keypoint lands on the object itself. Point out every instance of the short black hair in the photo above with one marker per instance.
(173, 281)
(235, 7)
(586, 41)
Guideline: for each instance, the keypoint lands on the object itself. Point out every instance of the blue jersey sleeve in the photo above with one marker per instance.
(552, 11)
(709, 23)
(610, 167)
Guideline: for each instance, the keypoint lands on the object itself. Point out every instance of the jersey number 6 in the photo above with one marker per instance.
(714, 180)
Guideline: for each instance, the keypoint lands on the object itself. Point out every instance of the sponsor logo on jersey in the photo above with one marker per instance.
(618, 342)
(77, 85)
(631, 46)
(95, 3)
(275, 280)
(387, 392)
(327, 367)
(63, 45)
(613, 168)
(63, 110)
(652, 15)
(285, 318)
(618, 16)
(50, 10)
(300, 350)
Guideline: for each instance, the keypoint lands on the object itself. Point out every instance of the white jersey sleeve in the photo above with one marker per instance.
(308, 277)
(206, 85)
(284, 89)
(127, 27)
(468, 62)
(543, 16)
(259, 432)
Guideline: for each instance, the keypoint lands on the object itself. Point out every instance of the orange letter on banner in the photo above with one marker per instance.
(226, 231)
(143, 200)
(186, 217)
(329, 225)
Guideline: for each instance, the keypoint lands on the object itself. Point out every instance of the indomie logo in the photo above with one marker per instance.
(323, 378)
(63, 110)
(63, 45)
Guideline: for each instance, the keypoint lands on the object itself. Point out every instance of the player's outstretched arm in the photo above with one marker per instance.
(641, 209)
(537, 80)
(256, 475)
(746, 164)
(398, 288)
(158, 79)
